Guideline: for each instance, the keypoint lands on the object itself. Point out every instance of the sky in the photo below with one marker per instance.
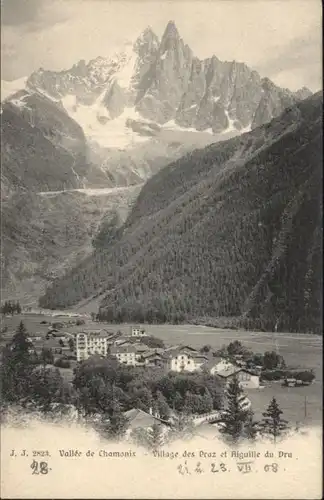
(280, 39)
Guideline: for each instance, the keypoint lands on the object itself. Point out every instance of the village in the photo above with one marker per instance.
(70, 344)
(133, 351)
(139, 349)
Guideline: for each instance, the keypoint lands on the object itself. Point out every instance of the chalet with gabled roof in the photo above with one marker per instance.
(247, 379)
(140, 419)
(183, 358)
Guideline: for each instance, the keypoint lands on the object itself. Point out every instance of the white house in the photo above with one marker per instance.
(220, 365)
(90, 344)
(125, 354)
(137, 331)
(184, 358)
(246, 378)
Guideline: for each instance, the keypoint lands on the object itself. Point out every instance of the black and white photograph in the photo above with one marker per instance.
(161, 249)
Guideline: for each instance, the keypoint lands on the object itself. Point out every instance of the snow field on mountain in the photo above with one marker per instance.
(112, 133)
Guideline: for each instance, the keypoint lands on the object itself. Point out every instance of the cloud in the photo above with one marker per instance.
(300, 58)
(20, 12)
(30, 15)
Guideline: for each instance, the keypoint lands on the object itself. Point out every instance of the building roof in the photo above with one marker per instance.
(143, 348)
(209, 364)
(171, 348)
(140, 329)
(233, 370)
(200, 357)
(207, 431)
(122, 341)
(93, 358)
(139, 418)
(176, 350)
(218, 359)
(97, 333)
(150, 354)
(123, 349)
(214, 361)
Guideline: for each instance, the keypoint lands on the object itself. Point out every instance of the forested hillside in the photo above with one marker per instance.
(231, 230)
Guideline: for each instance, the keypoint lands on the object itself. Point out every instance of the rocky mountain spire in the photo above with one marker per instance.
(170, 37)
(148, 41)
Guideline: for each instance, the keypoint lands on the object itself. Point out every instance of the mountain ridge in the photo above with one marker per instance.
(206, 93)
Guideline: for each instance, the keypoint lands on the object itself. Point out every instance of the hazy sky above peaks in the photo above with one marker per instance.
(280, 39)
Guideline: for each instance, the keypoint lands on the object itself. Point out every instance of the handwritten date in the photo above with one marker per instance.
(39, 467)
(244, 467)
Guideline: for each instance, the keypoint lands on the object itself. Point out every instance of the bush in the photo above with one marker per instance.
(62, 363)
(205, 349)
(71, 357)
(305, 376)
(57, 326)
(152, 342)
(272, 360)
(80, 322)
(273, 375)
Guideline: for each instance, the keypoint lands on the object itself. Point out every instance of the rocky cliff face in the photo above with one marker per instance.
(273, 101)
(164, 82)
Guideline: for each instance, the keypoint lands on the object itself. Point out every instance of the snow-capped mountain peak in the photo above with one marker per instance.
(163, 82)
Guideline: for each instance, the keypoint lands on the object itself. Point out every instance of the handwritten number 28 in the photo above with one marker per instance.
(39, 467)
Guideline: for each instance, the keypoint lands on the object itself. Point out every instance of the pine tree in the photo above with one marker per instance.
(71, 344)
(178, 401)
(251, 427)
(206, 402)
(190, 403)
(162, 406)
(46, 356)
(235, 416)
(47, 387)
(117, 422)
(183, 427)
(17, 366)
(140, 437)
(155, 437)
(272, 424)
